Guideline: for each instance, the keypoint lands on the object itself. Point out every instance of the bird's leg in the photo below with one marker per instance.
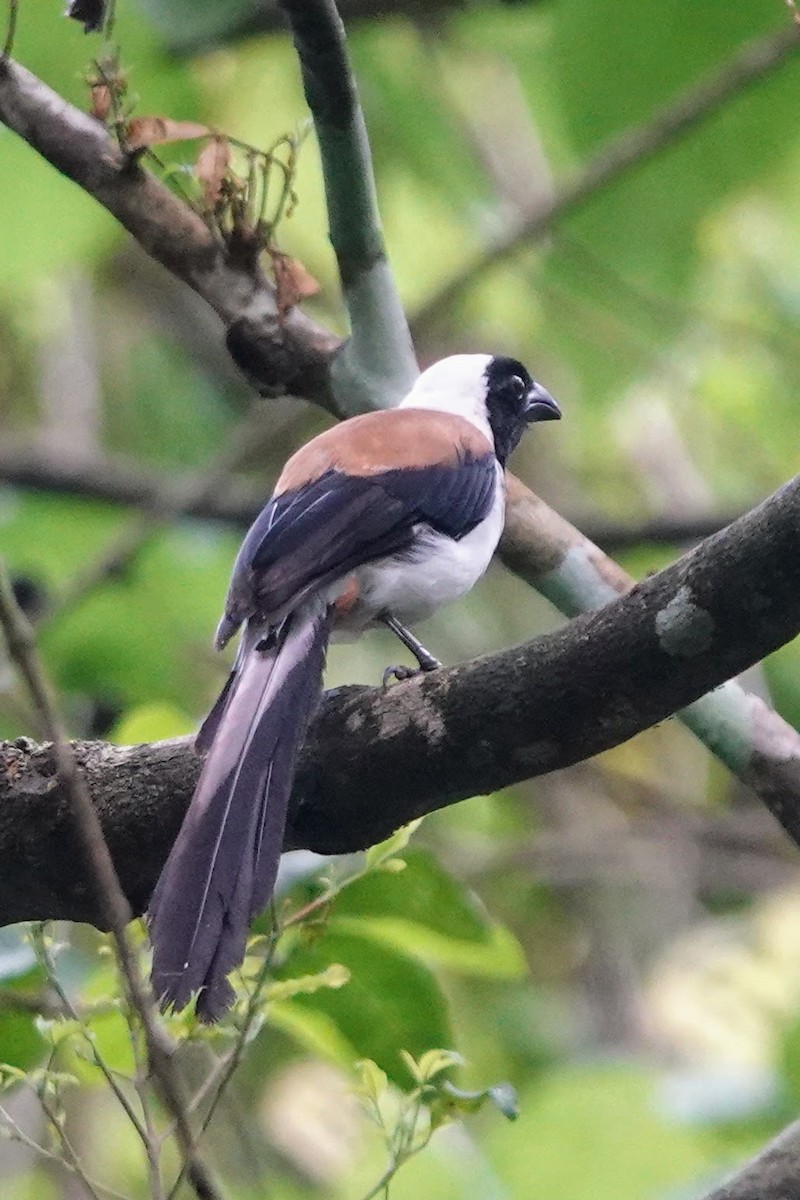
(426, 660)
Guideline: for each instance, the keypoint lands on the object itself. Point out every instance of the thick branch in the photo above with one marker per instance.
(774, 1174)
(375, 760)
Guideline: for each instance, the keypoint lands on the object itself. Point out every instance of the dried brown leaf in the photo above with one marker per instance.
(101, 101)
(211, 167)
(292, 281)
(154, 131)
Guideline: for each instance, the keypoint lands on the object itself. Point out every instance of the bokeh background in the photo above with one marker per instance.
(633, 966)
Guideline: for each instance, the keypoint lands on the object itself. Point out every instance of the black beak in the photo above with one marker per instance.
(540, 405)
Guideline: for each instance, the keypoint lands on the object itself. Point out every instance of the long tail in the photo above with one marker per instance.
(222, 868)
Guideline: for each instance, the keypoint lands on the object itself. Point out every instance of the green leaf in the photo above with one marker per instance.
(385, 851)
(21, 1044)
(372, 1080)
(107, 1027)
(424, 894)
(425, 912)
(334, 976)
(313, 1029)
(391, 1002)
(434, 1062)
(499, 956)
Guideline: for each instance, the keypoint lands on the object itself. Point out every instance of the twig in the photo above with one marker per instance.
(109, 18)
(109, 898)
(11, 28)
(46, 961)
(751, 63)
(70, 1156)
(221, 1077)
(289, 355)
(154, 1140)
(153, 1143)
(19, 1135)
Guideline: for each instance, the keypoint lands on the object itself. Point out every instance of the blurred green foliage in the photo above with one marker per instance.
(598, 939)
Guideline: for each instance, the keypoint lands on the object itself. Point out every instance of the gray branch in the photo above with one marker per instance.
(375, 759)
(774, 1174)
(377, 364)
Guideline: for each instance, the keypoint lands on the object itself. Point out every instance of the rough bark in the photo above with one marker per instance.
(376, 759)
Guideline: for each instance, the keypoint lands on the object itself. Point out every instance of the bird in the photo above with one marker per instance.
(380, 520)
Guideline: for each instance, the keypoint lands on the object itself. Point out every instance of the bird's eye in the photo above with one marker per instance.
(517, 387)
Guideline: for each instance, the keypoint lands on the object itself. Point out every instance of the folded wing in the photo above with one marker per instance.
(333, 523)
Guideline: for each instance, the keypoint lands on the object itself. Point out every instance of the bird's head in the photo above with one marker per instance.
(513, 401)
(495, 392)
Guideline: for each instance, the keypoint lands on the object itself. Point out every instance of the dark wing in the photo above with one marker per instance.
(333, 524)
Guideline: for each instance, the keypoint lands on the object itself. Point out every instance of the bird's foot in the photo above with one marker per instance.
(398, 674)
(401, 672)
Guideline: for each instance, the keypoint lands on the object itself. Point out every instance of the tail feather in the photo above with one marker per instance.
(222, 868)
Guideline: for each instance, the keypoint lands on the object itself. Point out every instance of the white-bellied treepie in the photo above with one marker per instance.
(382, 519)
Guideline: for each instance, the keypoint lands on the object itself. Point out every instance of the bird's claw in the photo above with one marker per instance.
(401, 672)
(398, 674)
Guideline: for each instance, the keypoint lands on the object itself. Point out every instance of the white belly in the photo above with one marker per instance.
(439, 570)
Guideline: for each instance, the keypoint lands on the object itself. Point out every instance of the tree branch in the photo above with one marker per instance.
(125, 482)
(476, 727)
(774, 1174)
(174, 235)
(377, 364)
